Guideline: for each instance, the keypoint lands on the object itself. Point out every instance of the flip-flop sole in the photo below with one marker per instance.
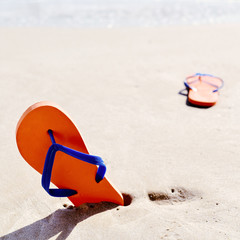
(204, 96)
(33, 142)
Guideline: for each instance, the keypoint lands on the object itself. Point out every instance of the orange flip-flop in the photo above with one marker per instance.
(50, 142)
(203, 89)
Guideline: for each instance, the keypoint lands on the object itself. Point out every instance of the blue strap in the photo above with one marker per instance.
(47, 171)
(202, 75)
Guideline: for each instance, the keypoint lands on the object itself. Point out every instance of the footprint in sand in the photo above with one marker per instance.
(173, 196)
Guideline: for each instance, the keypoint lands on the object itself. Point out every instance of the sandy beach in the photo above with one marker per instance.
(124, 90)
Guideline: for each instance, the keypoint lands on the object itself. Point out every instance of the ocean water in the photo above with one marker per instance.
(117, 13)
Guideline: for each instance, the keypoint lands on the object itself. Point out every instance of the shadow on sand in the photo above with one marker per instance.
(61, 221)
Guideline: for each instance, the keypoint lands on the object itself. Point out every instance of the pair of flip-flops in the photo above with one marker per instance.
(50, 142)
(203, 89)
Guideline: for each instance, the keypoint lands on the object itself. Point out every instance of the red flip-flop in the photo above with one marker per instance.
(50, 142)
(203, 89)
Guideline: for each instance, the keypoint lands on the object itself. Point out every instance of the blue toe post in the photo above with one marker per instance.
(47, 171)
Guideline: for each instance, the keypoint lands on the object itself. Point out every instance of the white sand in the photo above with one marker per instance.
(121, 88)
